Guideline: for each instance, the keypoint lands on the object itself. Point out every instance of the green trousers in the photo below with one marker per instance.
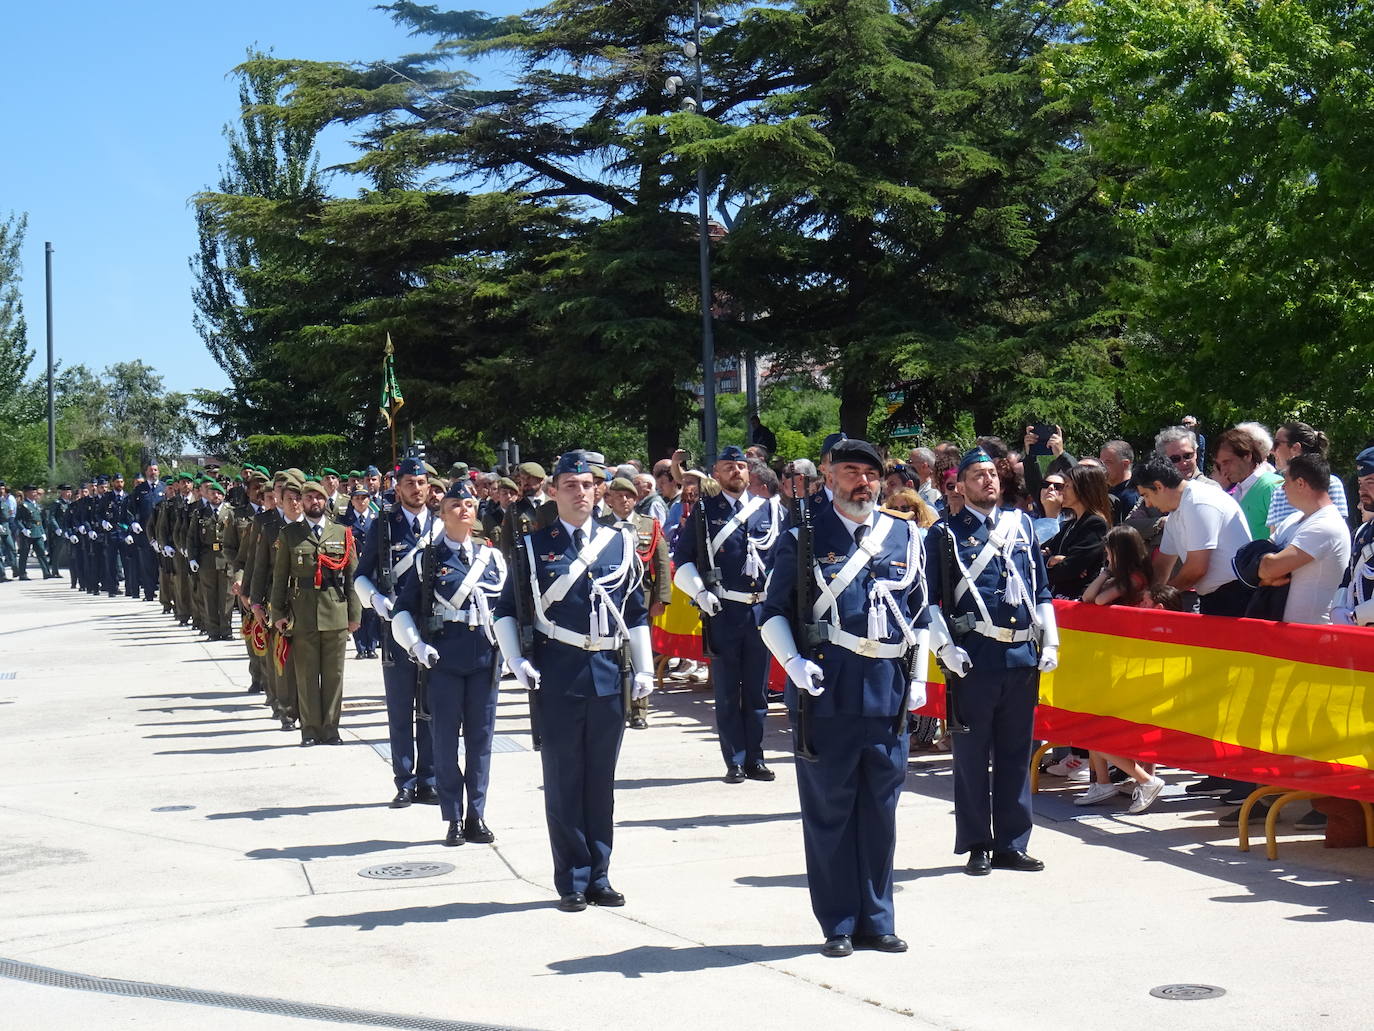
(317, 659)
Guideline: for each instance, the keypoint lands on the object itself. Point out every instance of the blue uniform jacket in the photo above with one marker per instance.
(762, 527)
(146, 502)
(564, 668)
(360, 524)
(402, 544)
(970, 534)
(462, 648)
(854, 685)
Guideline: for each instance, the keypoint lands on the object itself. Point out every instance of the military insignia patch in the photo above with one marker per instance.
(831, 558)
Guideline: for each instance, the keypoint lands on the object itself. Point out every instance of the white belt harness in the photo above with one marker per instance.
(401, 568)
(1000, 542)
(882, 603)
(478, 614)
(604, 609)
(753, 559)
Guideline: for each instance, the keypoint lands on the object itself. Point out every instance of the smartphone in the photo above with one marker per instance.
(1043, 432)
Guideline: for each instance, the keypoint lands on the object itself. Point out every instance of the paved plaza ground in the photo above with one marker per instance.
(156, 827)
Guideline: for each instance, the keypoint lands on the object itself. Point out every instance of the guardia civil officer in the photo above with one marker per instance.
(585, 602)
(443, 617)
(1354, 604)
(870, 614)
(995, 634)
(397, 536)
(741, 530)
(33, 536)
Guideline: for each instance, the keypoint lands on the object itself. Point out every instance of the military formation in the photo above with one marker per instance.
(557, 579)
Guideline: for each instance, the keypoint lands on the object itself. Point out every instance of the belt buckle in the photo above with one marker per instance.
(1006, 635)
(868, 647)
(587, 643)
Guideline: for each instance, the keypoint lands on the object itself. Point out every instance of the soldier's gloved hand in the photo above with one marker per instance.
(169, 551)
(136, 527)
(195, 566)
(643, 687)
(956, 660)
(382, 604)
(105, 524)
(26, 531)
(806, 675)
(708, 603)
(1049, 658)
(95, 536)
(129, 538)
(917, 697)
(426, 655)
(1342, 615)
(81, 528)
(526, 675)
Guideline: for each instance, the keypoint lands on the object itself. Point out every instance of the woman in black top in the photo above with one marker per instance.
(1073, 556)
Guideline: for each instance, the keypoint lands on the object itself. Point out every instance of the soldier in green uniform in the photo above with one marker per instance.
(652, 547)
(268, 524)
(179, 523)
(313, 601)
(32, 535)
(238, 547)
(210, 564)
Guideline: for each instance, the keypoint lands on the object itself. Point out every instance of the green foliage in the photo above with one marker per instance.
(286, 451)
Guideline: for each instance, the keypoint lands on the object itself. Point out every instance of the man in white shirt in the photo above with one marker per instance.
(1205, 529)
(1314, 540)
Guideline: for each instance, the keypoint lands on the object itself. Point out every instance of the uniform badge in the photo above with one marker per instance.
(831, 557)
(444, 571)
(552, 556)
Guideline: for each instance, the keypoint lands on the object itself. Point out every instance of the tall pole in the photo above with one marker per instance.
(708, 340)
(52, 406)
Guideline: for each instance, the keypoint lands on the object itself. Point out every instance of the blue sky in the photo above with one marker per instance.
(112, 120)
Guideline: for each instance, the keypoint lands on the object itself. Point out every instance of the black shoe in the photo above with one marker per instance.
(307, 741)
(1209, 786)
(403, 798)
(574, 903)
(1312, 820)
(454, 837)
(838, 945)
(879, 942)
(758, 771)
(1258, 813)
(288, 724)
(734, 775)
(335, 740)
(606, 896)
(638, 723)
(474, 829)
(256, 689)
(979, 863)
(1017, 861)
(426, 795)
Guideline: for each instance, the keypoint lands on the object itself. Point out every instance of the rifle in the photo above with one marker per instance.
(385, 581)
(428, 624)
(515, 529)
(806, 632)
(958, 626)
(627, 680)
(706, 567)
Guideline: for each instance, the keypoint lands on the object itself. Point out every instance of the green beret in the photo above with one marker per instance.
(313, 484)
(530, 469)
(326, 471)
(289, 482)
(620, 483)
(458, 469)
(507, 482)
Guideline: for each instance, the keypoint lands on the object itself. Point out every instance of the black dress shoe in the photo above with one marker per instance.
(758, 771)
(454, 837)
(838, 945)
(476, 830)
(288, 724)
(426, 795)
(1016, 861)
(734, 775)
(403, 798)
(306, 741)
(574, 903)
(979, 863)
(606, 896)
(335, 740)
(638, 723)
(879, 942)
(256, 689)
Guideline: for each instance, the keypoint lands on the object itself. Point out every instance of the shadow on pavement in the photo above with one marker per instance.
(423, 914)
(720, 820)
(661, 959)
(346, 848)
(236, 750)
(300, 810)
(664, 782)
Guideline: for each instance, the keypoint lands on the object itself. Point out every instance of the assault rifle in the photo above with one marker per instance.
(428, 625)
(806, 632)
(959, 626)
(386, 581)
(706, 567)
(515, 528)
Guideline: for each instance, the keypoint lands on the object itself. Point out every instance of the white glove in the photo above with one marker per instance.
(918, 695)
(136, 527)
(526, 674)
(128, 538)
(426, 655)
(708, 603)
(644, 686)
(382, 604)
(1049, 637)
(806, 675)
(105, 524)
(169, 551)
(94, 536)
(955, 659)
(195, 566)
(26, 531)
(81, 528)
(1049, 658)
(1343, 615)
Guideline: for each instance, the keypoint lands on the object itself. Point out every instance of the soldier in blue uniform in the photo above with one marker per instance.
(586, 602)
(443, 617)
(409, 528)
(995, 635)
(741, 530)
(1354, 604)
(145, 558)
(870, 610)
(359, 517)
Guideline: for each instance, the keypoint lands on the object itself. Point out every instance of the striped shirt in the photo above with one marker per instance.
(1280, 509)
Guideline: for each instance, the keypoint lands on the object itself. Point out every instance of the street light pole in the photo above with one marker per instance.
(52, 425)
(708, 338)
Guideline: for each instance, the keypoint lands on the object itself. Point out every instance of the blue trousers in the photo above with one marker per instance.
(412, 746)
(992, 799)
(739, 678)
(849, 821)
(112, 566)
(367, 636)
(462, 704)
(147, 567)
(581, 744)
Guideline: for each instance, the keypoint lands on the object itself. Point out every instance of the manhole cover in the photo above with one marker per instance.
(405, 871)
(173, 808)
(1180, 992)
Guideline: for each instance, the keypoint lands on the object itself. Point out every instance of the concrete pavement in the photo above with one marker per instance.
(156, 827)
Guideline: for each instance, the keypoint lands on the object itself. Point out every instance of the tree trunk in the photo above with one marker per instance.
(856, 401)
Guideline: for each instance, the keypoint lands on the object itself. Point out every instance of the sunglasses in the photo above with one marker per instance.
(901, 508)
(1186, 456)
(1053, 485)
